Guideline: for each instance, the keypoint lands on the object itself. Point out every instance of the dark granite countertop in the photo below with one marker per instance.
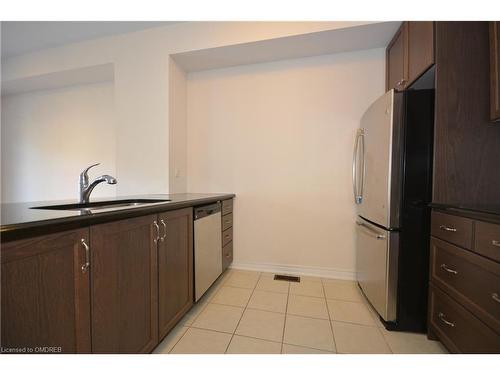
(19, 220)
(484, 212)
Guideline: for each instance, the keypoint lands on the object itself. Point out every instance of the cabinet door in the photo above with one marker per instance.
(495, 70)
(124, 286)
(466, 143)
(45, 294)
(420, 48)
(396, 57)
(175, 267)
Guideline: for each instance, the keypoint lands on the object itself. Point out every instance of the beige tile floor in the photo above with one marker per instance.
(249, 312)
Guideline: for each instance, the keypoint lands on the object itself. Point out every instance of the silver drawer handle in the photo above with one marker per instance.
(86, 266)
(227, 236)
(162, 238)
(443, 319)
(495, 297)
(495, 243)
(157, 227)
(448, 229)
(373, 232)
(445, 267)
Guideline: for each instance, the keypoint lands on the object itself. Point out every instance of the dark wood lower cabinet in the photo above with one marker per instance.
(175, 268)
(45, 300)
(464, 308)
(124, 286)
(117, 287)
(457, 328)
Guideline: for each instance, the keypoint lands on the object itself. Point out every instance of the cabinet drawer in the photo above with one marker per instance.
(454, 229)
(457, 328)
(227, 236)
(487, 240)
(227, 255)
(227, 206)
(472, 280)
(227, 221)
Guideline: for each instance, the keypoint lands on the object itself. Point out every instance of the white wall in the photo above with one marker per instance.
(280, 136)
(177, 129)
(48, 137)
(141, 83)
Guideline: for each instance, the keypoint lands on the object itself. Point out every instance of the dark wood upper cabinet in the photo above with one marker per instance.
(124, 292)
(175, 268)
(495, 71)
(396, 57)
(409, 54)
(466, 142)
(420, 48)
(45, 300)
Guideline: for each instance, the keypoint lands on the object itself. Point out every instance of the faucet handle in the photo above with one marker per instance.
(84, 178)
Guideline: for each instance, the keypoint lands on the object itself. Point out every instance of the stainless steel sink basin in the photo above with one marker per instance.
(103, 205)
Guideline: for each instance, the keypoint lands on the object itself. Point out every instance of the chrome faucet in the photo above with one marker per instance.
(86, 187)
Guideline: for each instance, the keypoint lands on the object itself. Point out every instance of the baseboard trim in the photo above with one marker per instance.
(288, 269)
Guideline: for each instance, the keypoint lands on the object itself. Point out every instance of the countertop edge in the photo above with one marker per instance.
(18, 231)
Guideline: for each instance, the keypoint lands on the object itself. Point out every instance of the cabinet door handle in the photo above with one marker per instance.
(442, 317)
(495, 243)
(401, 83)
(495, 297)
(449, 270)
(157, 227)
(162, 238)
(447, 229)
(86, 266)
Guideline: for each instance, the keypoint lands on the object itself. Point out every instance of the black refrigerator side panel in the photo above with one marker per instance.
(415, 216)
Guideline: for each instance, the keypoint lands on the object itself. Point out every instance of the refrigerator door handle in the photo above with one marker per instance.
(354, 168)
(372, 232)
(357, 186)
(362, 182)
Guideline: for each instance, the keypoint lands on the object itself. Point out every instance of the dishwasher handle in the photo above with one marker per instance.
(203, 211)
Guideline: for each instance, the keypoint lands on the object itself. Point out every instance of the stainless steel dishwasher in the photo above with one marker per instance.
(207, 247)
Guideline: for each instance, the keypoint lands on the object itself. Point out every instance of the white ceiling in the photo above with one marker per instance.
(20, 37)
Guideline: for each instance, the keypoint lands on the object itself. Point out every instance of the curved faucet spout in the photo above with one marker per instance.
(86, 187)
(105, 178)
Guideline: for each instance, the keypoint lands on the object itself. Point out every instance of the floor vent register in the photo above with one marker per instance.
(294, 279)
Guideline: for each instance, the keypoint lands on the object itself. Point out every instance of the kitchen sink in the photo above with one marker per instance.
(121, 203)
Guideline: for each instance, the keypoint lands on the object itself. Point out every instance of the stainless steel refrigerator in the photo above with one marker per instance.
(392, 175)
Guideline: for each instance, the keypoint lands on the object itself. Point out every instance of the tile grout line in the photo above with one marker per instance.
(385, 340)
(308, 347)
(187, 327)
(379, 329)
(177, 341)
(330, 317)
(190, 326)
(286, 313)
(243, 312)
(246, 307)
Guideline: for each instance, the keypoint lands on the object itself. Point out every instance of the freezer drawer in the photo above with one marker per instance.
(377, 266)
